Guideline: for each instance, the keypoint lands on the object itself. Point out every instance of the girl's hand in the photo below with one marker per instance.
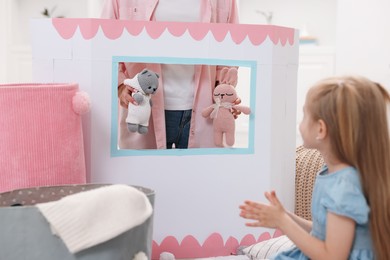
(269, 216)
(125, 95)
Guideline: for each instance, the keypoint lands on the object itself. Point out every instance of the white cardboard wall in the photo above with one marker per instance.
(197, 190)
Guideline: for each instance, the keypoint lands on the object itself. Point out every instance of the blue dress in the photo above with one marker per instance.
(339, 193)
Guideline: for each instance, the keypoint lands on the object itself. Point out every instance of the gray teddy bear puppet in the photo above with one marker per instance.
(145, 84)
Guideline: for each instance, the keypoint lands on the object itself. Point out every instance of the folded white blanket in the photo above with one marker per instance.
(92, 217)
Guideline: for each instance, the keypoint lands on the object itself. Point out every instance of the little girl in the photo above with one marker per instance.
(345, 118)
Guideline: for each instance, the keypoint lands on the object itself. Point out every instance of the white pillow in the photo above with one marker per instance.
(268, 248)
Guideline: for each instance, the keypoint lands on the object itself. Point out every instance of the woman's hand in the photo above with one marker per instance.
(269, 216)
(125, 95)
(235, 111)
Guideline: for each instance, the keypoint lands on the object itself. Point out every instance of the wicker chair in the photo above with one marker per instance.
(308, 163)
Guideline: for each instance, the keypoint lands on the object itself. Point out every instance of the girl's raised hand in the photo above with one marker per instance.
(264, 215)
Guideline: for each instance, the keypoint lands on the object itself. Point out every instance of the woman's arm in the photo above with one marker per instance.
(233, 17)
(110, 9)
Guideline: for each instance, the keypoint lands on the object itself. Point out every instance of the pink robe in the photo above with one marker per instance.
(201, 131)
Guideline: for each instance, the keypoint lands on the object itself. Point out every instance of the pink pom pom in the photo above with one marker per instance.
(81, 103)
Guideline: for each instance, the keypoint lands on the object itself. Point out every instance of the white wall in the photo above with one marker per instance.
(15, 16)
(353, 37)
(363, 39)
(3, 44)
(319, 16)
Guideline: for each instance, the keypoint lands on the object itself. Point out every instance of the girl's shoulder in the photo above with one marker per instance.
(348, 173)
(344, 195)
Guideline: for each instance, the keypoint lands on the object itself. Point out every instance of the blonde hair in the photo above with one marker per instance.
(354, 110)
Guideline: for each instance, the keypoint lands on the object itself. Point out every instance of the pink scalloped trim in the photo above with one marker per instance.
(113, 29)
(212, 246)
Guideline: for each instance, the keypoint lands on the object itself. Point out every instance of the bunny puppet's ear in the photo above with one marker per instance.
(232, 77)
(222, 75)
(228, 76)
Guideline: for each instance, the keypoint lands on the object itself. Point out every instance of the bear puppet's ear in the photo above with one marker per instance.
(229, 76)
(145, 71)
(81, 103)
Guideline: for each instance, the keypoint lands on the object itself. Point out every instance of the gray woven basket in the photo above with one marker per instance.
(26, 234)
